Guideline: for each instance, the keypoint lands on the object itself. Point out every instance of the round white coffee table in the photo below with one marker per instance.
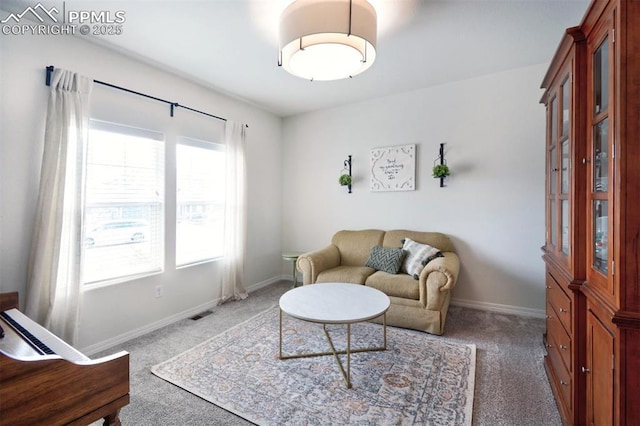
(335, 303)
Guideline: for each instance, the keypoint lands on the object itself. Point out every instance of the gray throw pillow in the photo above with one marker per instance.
(387, 259)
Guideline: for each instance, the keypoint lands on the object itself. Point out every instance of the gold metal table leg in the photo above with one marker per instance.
(280, 354)
(346, 375)
(348, 355)
(384, 330)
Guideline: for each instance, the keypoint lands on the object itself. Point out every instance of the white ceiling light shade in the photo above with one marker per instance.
(328, 39)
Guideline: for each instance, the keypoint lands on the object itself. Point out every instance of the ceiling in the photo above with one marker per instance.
(231, 45)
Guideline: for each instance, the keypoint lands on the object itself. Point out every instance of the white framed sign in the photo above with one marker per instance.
(393, 168)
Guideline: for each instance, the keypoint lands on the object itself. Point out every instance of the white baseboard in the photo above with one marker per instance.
(265, 283)
(106, 344)
(496, 307)
(99, 347)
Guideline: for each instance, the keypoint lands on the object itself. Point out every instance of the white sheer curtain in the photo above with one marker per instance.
(235, 217)
(53, 281)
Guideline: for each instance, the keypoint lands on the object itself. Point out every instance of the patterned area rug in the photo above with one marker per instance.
(419, 379)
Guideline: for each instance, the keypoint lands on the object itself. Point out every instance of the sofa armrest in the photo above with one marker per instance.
(448, 265)
(314, 262)
(437, 277)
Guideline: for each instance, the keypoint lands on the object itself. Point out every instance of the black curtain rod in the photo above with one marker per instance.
(172, 105)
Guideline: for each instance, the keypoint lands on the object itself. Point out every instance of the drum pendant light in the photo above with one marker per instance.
(327, 39)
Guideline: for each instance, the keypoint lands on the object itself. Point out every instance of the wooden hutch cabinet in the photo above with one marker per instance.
(564, 250)
(592, 244)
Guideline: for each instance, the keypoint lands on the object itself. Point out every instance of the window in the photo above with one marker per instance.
(200, 183)
(124, 202)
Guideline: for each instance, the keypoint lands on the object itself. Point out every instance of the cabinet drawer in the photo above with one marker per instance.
(562, 375)
(560, 301)
(563, 383)
(558, 338)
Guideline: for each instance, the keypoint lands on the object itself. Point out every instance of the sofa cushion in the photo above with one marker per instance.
(399, 285)
(345, 274)
(418, 255)
(387, 259)
(354, 246)
(434, 239)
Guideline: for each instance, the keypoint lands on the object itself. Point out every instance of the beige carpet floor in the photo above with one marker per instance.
(511, 386)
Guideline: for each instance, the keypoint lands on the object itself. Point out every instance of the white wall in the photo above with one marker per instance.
(112, 312)
(492, 205)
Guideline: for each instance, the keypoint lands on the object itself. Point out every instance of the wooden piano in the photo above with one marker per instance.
(43, 380)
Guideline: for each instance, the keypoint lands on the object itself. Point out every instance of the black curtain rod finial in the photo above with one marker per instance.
(49, 69)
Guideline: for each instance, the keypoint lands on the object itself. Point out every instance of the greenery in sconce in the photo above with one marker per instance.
(345, 180)
(441, 171)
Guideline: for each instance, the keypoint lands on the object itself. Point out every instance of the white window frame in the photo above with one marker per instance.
(156, 234)
(217, 211)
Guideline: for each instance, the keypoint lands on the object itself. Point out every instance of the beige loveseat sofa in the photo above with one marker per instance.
(419, 303)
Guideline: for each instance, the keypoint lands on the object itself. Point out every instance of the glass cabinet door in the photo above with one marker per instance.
(565, 167)
(565, 226)
(552, 173)
(559, 169)
(601, 156)
(566, 106)
(601, 77)
(601, 164)
(601, 233)
(553, 170)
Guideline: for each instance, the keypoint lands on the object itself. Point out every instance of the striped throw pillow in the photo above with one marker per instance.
(418, 255)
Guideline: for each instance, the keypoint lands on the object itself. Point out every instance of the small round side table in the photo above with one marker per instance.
(293, 256)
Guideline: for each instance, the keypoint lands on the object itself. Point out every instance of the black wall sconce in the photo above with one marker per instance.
(440, 170)
(345, 177)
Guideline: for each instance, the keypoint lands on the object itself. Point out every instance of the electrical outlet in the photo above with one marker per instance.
(159, 291)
